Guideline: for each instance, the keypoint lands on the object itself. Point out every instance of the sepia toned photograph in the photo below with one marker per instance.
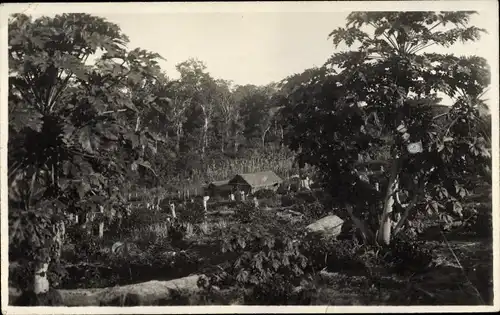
(236, 157)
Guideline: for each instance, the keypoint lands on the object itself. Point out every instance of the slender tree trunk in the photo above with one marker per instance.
(282, 135)
(178, 138)
(41, 282)
(137, 123)
(205, 135)
(172, 210)
(384, 232)
(101, 222)
(235, 144)
(222, 142)
(60, 232)
(264, 136)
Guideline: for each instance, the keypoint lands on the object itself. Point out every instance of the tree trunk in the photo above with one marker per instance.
(172, 210)
(264, 136)
(41, 282)
(137, 123)
(178, 138)
(384, 232)
(60, 232)
(222, 143)
(282, 134)
(235, 145)
(205, 135)
(101, 222)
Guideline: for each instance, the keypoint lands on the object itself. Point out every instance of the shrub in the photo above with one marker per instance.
(333, 255)
(262, 253)
(141, 217)
(276, 291)
(290, 200)
(177, 231)
(312, 211)
(87, 247)
(481, 223)
(245, 212)
(407, 255)
(308, 196)
(29, 298)
(192, 212)
(270, 202)
(264, 194)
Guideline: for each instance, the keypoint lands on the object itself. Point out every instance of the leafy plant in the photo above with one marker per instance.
(246, 212)
(264, 194)
(192, 212)
(379, 103)
(70, 142)
(312, 211)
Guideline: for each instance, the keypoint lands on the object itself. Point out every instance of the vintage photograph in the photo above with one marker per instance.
(337, 157)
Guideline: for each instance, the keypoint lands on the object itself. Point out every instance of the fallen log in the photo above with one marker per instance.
(146, 293)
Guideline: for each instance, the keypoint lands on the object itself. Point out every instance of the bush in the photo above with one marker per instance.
(333, 255)
(308, 196)
(276, 291)
(407, 255)
(481, 223)
(245, 212)
(265, 194)
(270, 202)
(176, 231)
(141, 217)
(87, 247)
(290, 200)
(313, 211)
(191, 212)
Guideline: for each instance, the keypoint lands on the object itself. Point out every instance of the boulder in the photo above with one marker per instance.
(329, 226)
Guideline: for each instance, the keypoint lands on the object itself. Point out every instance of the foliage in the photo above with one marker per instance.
(192, 212)
(246, 212)
(312, 211)
(332, 255)
(383, 98)
(70, 144)
(270, 202)
(407, 256)
(277, 291)
(264, 249)
(176, 231)
(264, 194)
(291, 199)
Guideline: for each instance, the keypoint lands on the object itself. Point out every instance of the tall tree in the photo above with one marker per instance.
(227, 109)
(201, 85)
(68, 126)
(382, 95)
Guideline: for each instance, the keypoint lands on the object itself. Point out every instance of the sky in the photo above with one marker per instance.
(257, 46)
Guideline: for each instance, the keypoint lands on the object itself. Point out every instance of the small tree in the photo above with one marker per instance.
(381, 99)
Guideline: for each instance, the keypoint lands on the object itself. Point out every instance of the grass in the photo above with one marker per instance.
(157, 231)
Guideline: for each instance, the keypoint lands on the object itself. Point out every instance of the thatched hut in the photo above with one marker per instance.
(253, 182)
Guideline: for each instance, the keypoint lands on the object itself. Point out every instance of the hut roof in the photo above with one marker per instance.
(219, 183)
(258, 179)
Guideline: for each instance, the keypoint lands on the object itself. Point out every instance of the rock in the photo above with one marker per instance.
(329, 226)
